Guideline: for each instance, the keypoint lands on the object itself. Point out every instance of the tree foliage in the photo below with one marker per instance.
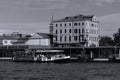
(116, 37)
(106, 41)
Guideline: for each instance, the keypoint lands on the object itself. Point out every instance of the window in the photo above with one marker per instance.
(69, 24)
(82, 37)
(75, 24)
(82, 24)
(75, 38)
(56, 25)
(92, 25)
(65, 30)
(56, 31)
(79, 30)
(79, 38)
(69, 38)
(65, 24)
(60, 38)
(65, 38)
(5, 41)
(56, 38)
(82, 30)
(75, 31)
(79, 24)
(60, 25)
(70, 31)
(87, 30)
(61, 31)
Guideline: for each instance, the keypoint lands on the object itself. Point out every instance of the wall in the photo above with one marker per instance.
(44, 42)
(7, 42)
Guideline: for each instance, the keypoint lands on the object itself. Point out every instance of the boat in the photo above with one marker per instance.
(55, 58)
(101, 59)
(41, 56)
(23, 56)
(51, 56)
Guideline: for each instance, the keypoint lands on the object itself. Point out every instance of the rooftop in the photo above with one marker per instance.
(76, 18)
(42, 36)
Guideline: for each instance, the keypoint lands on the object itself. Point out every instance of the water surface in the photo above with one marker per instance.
(59, 71)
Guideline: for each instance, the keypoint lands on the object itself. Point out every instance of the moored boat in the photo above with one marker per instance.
(22, 56)
(55, 58)
(51, 56)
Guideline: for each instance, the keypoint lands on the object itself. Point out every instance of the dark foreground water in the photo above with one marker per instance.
(54, 71)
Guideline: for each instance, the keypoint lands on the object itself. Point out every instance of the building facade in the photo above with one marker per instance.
(41, 39)
(78, 30)
(14, 38)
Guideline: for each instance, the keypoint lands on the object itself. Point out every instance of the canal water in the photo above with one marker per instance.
(59, 71)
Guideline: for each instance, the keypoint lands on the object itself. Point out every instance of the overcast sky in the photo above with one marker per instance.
(30, 16)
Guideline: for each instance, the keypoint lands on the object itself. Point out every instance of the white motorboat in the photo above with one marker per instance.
(51, 56)
(55, 58)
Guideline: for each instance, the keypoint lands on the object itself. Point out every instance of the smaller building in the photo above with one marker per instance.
(42, 39)
(37, 39)
(14, 39)
(10, 40)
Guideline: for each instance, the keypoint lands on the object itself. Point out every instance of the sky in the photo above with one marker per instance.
(30, 16)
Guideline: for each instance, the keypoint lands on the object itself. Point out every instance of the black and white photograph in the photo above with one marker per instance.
(59, 39)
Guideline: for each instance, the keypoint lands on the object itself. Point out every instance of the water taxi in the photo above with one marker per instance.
(51, 56)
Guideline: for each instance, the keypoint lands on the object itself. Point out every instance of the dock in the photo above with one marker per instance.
(6, 58)
(102, 53)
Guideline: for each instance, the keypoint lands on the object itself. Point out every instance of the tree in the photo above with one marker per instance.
(116, 37)
(106, 41)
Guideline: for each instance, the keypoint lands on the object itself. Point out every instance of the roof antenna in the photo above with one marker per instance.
(52, 16)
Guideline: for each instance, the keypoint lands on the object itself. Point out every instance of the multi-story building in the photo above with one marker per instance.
(76, 30)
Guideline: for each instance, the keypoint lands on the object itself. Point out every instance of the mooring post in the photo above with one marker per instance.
(115, 48)
(91, 54)
(99, 51)
(70, 52)
(119, 52)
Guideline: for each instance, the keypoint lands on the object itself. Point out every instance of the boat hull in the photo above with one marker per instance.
(23, 60)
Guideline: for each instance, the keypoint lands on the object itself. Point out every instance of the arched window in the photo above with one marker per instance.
(75, 24)
(65, 24)
(65, 30)
(75, 38)
(56, 25)
(60, 25)
(75, 30)
(82, 24)
(83, 31)
(79, 30)
(61, 31)
(65, 38)
(60, 38)
(69, 38)
(69, 30)
(69, 24)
